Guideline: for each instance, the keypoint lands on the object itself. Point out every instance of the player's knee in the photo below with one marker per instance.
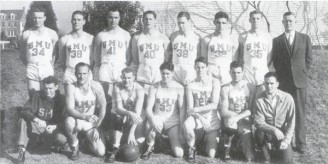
(187, 125)
(69, 123)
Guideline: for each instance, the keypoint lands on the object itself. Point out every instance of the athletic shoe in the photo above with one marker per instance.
(192, 154)
(75, 153)
(62, 149)
(110, 156)
(300, 149)
(147, 153)
(21, 155)
(226, 155)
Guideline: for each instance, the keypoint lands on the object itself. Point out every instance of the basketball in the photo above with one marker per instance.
(129, 153)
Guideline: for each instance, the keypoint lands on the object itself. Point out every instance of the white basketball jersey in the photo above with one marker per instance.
(151, 49)
(256, 50)
(113, 48)
(202, 95)
(128, 100)
(221, 52)
(185, 49)
(39, 48)
(165, 102)
(78, 50)
(238, 97)
(85, 102)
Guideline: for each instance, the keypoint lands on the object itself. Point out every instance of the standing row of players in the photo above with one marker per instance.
(112, 50)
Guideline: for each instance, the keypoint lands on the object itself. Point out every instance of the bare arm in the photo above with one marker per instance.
(22, 43)
(128, 49)
(199, 53)
(101, 101)
(134, 50)
(166, 43)
(92, 62)
(169, 48)
(241, 41)
(54, 43)
(97, 50)
(269, 59)
(204, 46)
(235, 49)
(62, 51)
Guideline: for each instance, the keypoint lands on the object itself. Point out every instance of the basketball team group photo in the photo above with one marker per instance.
(164, 82)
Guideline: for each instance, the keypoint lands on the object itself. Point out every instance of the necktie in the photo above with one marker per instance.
(290, 40)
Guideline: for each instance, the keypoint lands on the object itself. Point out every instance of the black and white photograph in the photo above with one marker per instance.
(160, 82)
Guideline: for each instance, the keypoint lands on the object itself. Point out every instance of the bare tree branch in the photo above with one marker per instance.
(287, 5)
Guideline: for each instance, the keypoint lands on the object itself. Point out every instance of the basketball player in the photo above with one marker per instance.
(203, 96)
(111, 51)
(220, 48)
(75, 47)
(166, 98)
(127, 116)
(148, 50)
(185, 48)
(84, 99)
(255, 51)
(236, 105)
(36, 52)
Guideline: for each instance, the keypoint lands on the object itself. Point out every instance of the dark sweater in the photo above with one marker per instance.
(50, 110)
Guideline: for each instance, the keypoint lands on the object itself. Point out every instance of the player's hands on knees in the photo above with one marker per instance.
(206, 124)
(136, 119)
(283, 145)
(279, 135)
(92, 118)
(51, 128)
(232, 121)
(40, 123)
(132, 140)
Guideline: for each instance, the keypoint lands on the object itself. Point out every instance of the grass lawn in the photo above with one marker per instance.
(14, 93)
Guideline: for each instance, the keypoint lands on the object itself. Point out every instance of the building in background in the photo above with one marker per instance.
(12, 23)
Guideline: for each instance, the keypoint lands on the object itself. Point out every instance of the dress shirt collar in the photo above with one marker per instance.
(292, 33)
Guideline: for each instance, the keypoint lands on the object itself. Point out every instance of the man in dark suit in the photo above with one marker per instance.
(292, 59)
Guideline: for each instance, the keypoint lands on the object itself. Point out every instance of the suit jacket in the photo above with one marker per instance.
(292, 63)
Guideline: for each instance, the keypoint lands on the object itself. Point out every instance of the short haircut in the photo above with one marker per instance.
(167, 65)
(221, 14)
(114, 9)
(256, 12)
(81, 64)
(183, 14)
(236, 64)
(201, 59)
(38, 9)
(79, 12)
(270, 74)
(50, 80)
(288, 13)
(149, 12)
(127, 70)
